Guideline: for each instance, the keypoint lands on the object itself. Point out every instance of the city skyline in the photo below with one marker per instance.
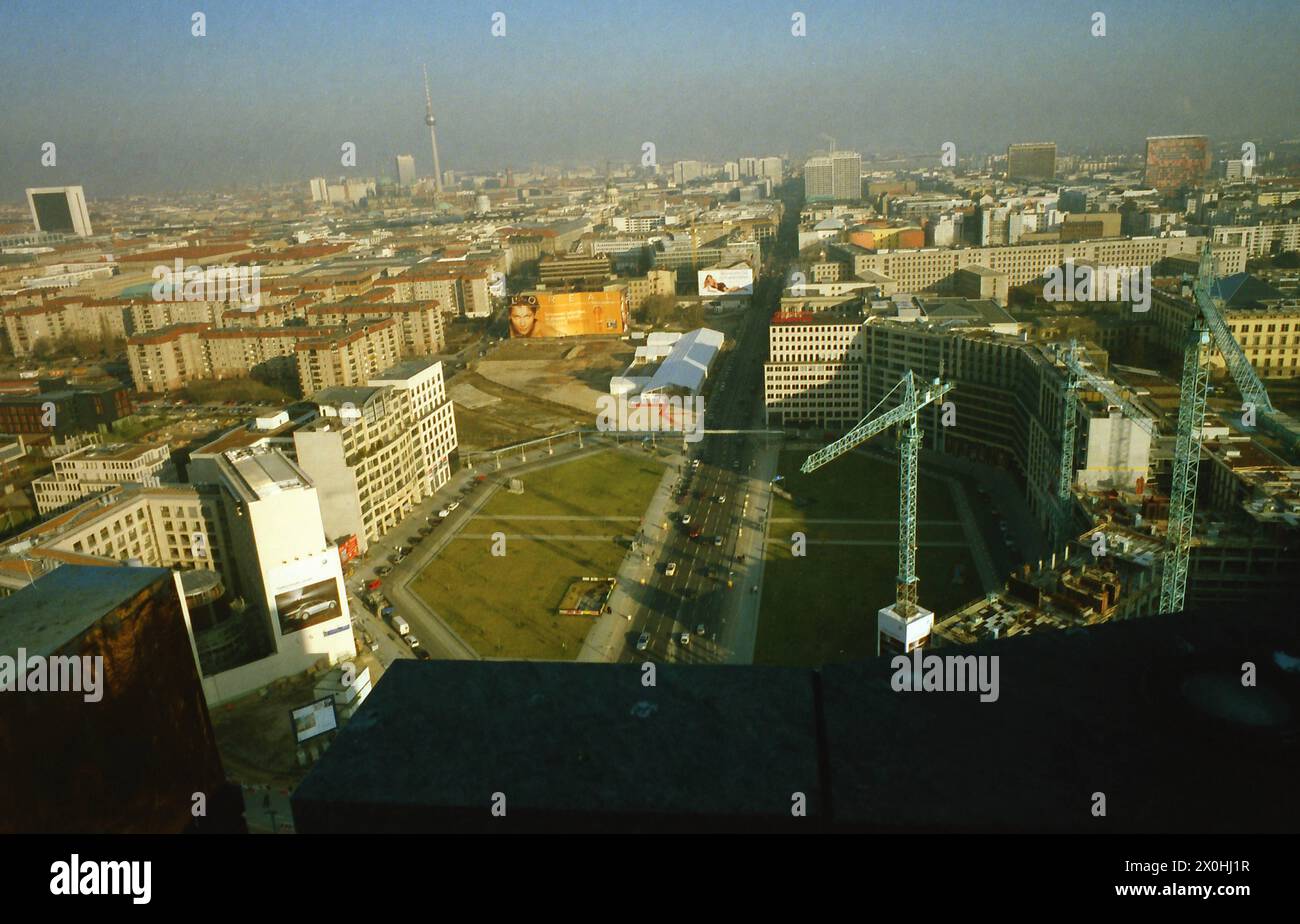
(280, 90)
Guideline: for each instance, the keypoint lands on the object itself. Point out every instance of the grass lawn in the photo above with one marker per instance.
(505, 606)
(821, 607)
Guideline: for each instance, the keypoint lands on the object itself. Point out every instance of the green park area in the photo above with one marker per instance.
(572, 520)
(821, 607)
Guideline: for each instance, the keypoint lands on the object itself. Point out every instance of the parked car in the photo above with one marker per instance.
(452, 506)
(375, 584)
(670, 569)
(384, 570)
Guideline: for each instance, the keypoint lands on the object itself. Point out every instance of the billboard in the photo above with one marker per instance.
(731, 280)
(313, 719)
(308, 605)
(568, 314)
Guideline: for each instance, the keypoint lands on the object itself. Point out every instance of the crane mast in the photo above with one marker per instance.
(904, 414)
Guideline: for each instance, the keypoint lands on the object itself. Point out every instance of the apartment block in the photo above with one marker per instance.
(165, 360)
(93, 469)
(421, 323)
(349, 357)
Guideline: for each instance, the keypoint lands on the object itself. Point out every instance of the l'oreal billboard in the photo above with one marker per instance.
(568, 314)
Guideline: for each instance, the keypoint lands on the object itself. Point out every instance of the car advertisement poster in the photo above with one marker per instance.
(307, 606)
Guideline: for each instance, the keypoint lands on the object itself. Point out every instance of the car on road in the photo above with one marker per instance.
(695, 463)
(670, 569)
(452, 506)
(695, 534)
(684, 638)
(699, 630)
(721, 499)
(413, 642)
(686, 519)
(717, 540)
(643, 641)
(384, 570)
(444, 513)
(396, 558)
(416, 539)
(375, 584)
(423, 654)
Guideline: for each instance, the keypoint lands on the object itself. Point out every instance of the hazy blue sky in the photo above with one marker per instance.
(136, 104)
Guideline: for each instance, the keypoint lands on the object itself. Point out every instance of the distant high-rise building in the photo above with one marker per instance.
(686, 170)
(732, 169)
(773, 168)
(1176, 161)
(1033, 161)
(837, 176)
(749, 166)
(320, 190)
(59, 209)
(405, 170)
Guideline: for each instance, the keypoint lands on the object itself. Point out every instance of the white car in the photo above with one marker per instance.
(444, 513)
(310, 610)
(413, 642)
(686, 519)
(452, 506)
(670, 569)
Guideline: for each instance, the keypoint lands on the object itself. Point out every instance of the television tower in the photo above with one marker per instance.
(433, 134)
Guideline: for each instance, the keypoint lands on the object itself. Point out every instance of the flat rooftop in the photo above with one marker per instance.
(45, 616)
(1149, 711)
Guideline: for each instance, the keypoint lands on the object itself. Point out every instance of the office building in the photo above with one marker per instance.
(1177, 161)
(127, 751)
(1034, 161)
(405, 170)
(59, 209)
(365, 453)
(433, 419)
(836, 177)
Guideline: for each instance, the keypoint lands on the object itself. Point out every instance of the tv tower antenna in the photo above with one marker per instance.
(433, 134)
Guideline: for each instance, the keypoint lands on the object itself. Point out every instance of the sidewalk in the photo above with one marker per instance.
(605, 640)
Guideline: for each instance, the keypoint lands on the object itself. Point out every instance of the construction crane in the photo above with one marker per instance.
(1193, 391)
(910, 403)
(1078, 375)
